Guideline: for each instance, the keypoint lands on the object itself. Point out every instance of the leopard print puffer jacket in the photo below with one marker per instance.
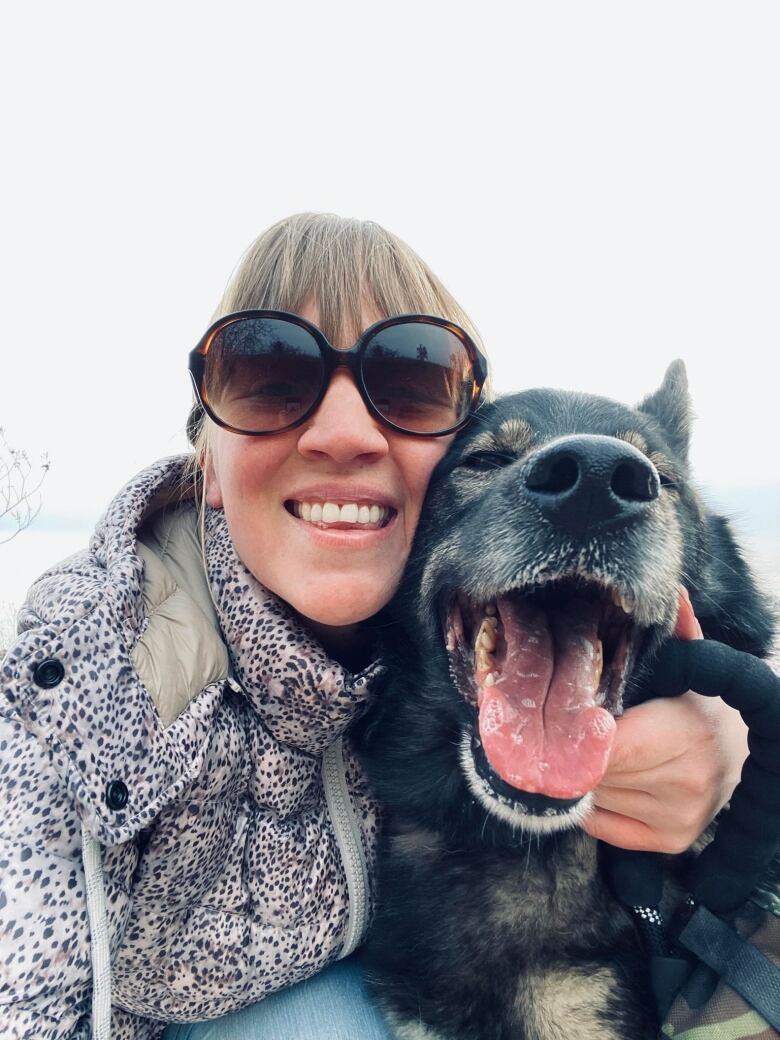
(188, 733)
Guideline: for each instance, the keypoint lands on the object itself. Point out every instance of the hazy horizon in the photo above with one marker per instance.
(596, 184)
(753, 513)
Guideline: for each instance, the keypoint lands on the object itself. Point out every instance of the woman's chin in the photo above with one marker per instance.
(342, 604)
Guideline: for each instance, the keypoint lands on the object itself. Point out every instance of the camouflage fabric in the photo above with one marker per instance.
(726, 1015)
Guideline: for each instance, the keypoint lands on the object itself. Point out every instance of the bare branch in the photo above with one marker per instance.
(20, 485)
(7, 625)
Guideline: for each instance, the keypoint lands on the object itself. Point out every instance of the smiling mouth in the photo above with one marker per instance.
(545, 669)
(365, 516)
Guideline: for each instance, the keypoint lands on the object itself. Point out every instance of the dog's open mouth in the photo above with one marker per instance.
(545, 668)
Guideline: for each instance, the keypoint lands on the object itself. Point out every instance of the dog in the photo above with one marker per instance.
(544, 576)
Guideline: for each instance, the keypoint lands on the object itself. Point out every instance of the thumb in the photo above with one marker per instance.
(635, 745)
(688, 626)
(649, 735)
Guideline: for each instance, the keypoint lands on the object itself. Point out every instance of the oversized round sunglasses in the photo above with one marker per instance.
(260, 371)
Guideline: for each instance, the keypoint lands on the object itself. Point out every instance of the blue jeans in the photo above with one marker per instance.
(334, 1005)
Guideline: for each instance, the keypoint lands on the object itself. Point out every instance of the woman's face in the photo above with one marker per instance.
(335, 573)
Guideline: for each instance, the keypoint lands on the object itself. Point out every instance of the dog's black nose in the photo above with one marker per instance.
(587, 479)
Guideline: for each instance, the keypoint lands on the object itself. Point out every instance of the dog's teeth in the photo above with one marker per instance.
(451, 642)
(486, 639)
(456, 625)
(490, 679)
(490, 608)
(492, 621)
(623, 600)
(484, 660)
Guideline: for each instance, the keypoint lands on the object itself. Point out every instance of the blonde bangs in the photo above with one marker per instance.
(338, 263)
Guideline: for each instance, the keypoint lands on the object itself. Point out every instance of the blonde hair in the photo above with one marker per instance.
(339, 263)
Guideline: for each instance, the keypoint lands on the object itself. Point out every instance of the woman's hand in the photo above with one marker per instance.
(674, 764)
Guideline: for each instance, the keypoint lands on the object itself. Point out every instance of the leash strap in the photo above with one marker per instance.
(739, 964)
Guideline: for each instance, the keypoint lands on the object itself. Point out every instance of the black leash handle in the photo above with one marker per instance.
(748, 833)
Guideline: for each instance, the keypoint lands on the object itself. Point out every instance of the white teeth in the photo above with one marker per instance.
(333, 513)
(490, 679)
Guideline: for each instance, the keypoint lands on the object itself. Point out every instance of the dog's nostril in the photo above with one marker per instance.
(634, 482)
(553, 475)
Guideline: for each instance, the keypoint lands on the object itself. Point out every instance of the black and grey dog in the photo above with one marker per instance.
(544, 576)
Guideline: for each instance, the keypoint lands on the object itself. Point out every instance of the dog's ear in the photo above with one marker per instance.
(670, 406)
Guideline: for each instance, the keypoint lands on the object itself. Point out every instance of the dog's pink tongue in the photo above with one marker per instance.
(539, 724)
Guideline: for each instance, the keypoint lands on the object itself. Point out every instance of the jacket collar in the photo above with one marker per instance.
(303, 697)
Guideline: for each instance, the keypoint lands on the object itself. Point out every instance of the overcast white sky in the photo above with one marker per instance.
(596, 182)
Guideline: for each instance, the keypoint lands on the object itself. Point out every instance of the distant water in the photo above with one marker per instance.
(755, 518)
(755, 515)
(763, 555)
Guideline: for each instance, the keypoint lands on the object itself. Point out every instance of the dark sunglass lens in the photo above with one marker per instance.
(419, 376)
(262, 374)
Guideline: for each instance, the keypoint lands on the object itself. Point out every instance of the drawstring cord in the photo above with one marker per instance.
(98, 937)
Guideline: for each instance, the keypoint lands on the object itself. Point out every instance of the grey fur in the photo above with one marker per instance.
(495, 921)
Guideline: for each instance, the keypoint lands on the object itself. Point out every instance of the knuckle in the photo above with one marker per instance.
(675, 841)
(691, 825)
(654, 843)
(681, 843)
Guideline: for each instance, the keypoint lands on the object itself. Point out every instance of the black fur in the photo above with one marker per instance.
(485, 931)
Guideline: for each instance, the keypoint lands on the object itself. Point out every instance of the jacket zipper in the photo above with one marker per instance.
(348, 837)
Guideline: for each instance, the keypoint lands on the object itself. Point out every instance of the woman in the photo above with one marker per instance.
(180, 801)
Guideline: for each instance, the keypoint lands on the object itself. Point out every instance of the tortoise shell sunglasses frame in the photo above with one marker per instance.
(332, 357)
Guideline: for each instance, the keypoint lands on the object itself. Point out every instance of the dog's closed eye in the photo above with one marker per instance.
(486, 460)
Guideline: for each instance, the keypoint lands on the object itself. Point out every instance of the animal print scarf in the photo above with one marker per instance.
(304, 698)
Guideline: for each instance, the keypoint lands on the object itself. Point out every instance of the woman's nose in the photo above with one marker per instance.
(342, 428)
